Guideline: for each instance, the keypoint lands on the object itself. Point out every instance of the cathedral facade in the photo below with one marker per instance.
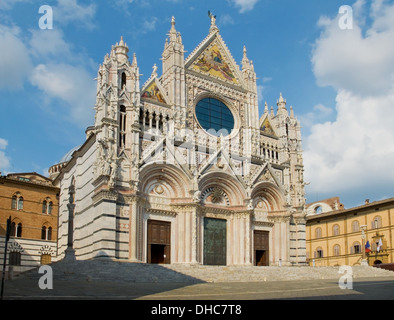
(182, 168)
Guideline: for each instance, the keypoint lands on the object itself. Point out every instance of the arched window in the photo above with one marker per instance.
(50, 205)
(16, 229)
(335, 230)
(17, 201)
(14, 202)
(19, 230)
(44, 206)
(337, 250)
(318, 253)
(355, 226)
(377, 222)
(20, 203)
(122, 127)
(46, 233)
(318, 233)
(355, 248)
(49, 233)
(43, 233)
(13, 229)
(123, 84)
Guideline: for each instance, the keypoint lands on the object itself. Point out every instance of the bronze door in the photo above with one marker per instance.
(215, 241)
(159, 241)
(261, 247)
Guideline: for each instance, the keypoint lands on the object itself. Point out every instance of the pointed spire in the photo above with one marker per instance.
(172, 33)
(266, 108)
(245, 60)
(134, 63)
(291, 112)
(281, 103)
(121, 43)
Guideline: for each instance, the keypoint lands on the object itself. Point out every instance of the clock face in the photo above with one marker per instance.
(214, 117)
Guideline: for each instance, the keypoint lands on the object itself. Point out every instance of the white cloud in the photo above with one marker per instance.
(347, 59)
(7, 4)
(4, 160)
(319, 114)
(69, 83)
(15, 62)
(70, 12)
(245, 5)
(260, 94)
(225, 20)
(356, 150)
(49, 43)
(149, 25)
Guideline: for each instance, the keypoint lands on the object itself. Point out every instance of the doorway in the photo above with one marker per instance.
(261, 246)
(159, 242)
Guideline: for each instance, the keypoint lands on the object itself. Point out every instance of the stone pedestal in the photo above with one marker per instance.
(364, 262)
(69, 255)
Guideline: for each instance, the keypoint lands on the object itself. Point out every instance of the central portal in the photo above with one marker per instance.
(214, 241)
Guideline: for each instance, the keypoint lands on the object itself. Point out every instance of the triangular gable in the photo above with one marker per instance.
(156, 153)
(266, 128)
(221, 161)
(266, 174)
(153, 92)
(212, 58)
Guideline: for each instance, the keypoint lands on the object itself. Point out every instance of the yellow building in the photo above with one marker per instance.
(337, 236)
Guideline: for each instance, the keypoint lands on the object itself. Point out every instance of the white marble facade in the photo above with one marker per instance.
(147, 157)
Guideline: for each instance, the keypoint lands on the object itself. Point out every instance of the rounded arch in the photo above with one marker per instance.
(234, 192)
(268, 195)
(172, 181)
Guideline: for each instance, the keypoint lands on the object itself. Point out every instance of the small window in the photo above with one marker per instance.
(46, 233)
(20, 203)
(44, 206)
(356, 248)
(14, 202)
(123, 80)
(355, 226)
(16, 230)
(43, 233)
(319, 253)
(337, 250)
(19, 230)
(335, 230)
(377, 222)
(122, 127)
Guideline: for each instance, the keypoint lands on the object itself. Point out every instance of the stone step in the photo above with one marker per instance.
(108, 270)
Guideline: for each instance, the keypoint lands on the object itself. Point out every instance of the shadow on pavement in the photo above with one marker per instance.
(97, 279)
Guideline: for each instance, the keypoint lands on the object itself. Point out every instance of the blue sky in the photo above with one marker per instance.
(339, 82)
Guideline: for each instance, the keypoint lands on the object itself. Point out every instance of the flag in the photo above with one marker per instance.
(380, 244)
(367, 247)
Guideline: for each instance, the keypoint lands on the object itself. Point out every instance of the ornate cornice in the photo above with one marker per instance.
(105, 195)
